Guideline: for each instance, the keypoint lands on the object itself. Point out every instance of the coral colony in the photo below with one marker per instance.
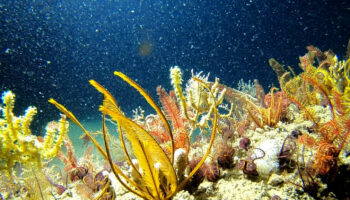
(205, 140)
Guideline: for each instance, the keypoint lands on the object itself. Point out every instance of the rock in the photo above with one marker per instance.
(275, 180)
(183, 195)
(206, 187)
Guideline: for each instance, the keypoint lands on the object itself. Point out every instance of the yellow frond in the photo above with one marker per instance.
(347, 72)
(148, 153)
(71, 116)
(153, 162)
(138, 191)
(152, 103)
(108, 100)
(110, 103)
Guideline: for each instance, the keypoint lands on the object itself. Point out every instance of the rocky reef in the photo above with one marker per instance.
(205, 140)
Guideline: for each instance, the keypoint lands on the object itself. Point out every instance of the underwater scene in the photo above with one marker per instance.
(181, 100)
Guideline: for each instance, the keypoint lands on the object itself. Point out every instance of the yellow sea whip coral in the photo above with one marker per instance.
(18, 145)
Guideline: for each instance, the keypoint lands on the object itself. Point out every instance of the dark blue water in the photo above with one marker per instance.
(52, 48)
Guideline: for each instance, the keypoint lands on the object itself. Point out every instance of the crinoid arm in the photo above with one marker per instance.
(214, 110)
(153, 162)
(110, 103)
(119, 173)
(155, 174)
(72, 117)
(152, 103)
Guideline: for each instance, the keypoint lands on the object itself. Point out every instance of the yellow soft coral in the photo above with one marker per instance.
(18, 145)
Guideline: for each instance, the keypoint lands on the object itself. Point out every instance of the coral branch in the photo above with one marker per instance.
(18, 145)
